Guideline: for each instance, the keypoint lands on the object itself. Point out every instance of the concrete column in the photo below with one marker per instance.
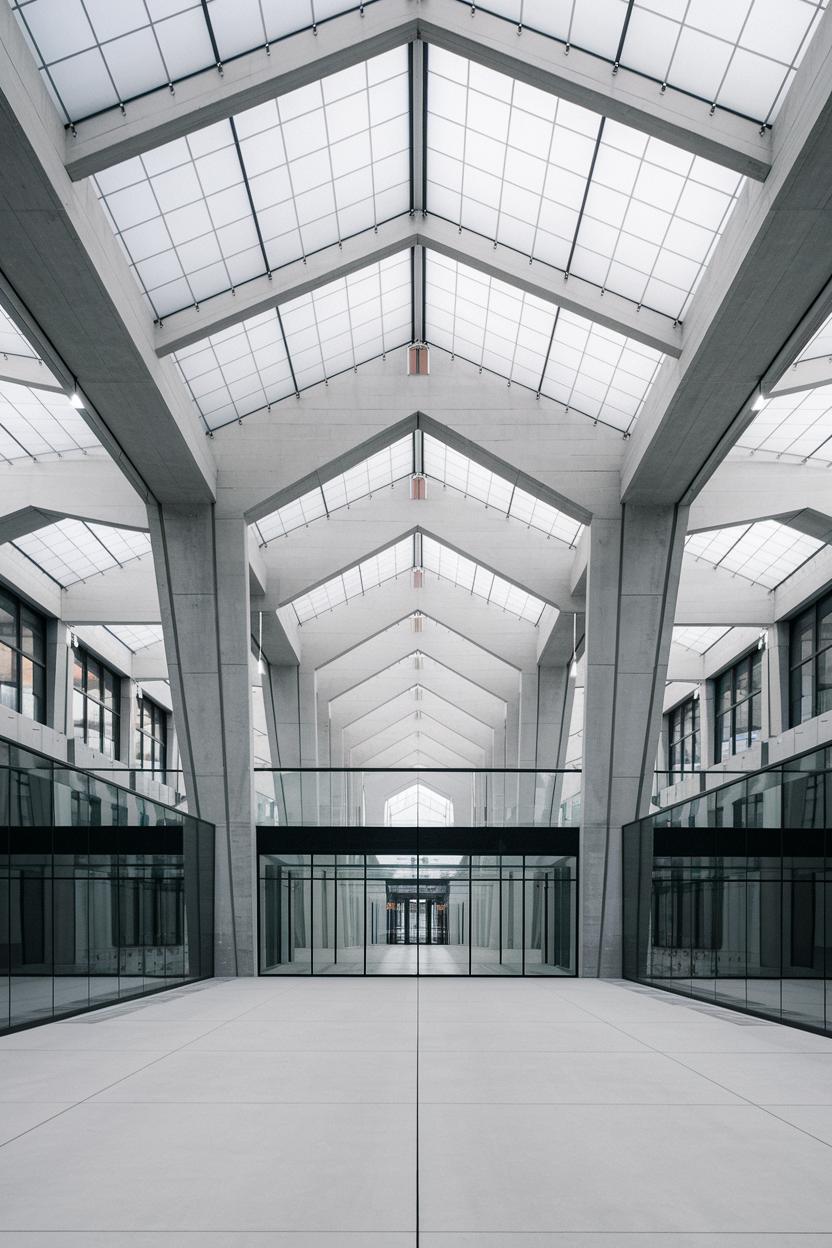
(556, 694)
(634, 564)
(58, 678)
(527, 746)
(201, 559)
(776, 680)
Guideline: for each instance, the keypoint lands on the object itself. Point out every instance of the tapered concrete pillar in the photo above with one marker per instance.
(201, 559)
(556, 695)
(634, 564)
(776, 679)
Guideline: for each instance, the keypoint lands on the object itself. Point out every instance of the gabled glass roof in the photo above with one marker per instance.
(12, 342)
(283, 351)
(209, 211)
(451, 566)
(418, 804)
(37, 424)
(698, 639)
(382, 469)
(585, 366)
(436, 558)
(794, 426)
(355, 581)
(136, 636)
(73, 550)
(95, 54)
(739, 55)
(765, 552)
(820, 345)
(560, 184)
(470, 478)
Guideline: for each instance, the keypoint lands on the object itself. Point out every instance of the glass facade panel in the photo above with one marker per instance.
(810, 661)
(95, 703)
(22, 658)
(738, 707)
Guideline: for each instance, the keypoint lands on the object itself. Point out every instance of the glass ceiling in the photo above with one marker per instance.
(38, 424)
(585, 366)
(562, 185)
(73, 550)
(698, 639)
(389, 563)
(795, 426)
(225, 204)
(255, 363)
(136, 636)
(820, 345)
(95, 54)
(739, 55)
(765, 552)
(420, 805)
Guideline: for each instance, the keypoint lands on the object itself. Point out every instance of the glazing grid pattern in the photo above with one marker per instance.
(207, 212)
(387, 466)
(793, 426)
(37, 424)
(569, 188)
(698, 639)
(585, 366)
(453, 469)
(820, 345)
(355, 581)
(334, 328)
(73, 550)
(741, 55)
(12, 341)
(136, 636)
(765, 552)
(451, 566)
(97, 54)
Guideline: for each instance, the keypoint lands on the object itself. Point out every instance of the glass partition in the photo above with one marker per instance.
(728, 896)
(104, 894)
(408, 912)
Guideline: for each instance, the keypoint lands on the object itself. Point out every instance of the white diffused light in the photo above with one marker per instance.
(759, 400)
(76, 401)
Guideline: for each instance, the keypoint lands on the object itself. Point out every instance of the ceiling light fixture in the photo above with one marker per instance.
(759, 400)
(573, 666)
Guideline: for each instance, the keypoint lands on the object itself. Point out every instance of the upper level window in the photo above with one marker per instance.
(152, 737)
(95, 703)
(683, 737)
(22, 658)
(810, 662)
(739, 706)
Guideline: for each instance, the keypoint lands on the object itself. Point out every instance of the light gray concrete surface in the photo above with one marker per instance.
(566, 1114)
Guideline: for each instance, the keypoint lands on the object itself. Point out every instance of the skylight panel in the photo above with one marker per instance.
(536, 173)
(39, 424)
(247, 367)
(353, 582)
(450, 565)
(136, 636)
(73, 550)
(96, 54)
(294, 515)
(12, 342)
(349, 321)
(765, 552)
(698, 639)
(374, 473)
(740, 56)
(215, 208)
(820, 345)
(793, 426)
(582, 365)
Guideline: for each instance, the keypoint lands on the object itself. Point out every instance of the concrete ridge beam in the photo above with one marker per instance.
(253, 78)
(193, 325)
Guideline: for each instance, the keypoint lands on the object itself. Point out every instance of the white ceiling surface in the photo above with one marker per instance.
(765, 552)
(137, 637)
(698, 639)
(12, 342)
(795, 427)
(74, 550)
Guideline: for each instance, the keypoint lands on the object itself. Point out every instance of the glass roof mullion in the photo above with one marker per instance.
(548, 351)
(623, 37)
(104, 60)
(733, 53)
(585, 195)
(288, 352)
(101, 543)
(505, 161)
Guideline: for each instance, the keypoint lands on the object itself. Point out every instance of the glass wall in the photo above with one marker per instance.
(103, 894)
(96, 699)
(417, 914)
(22, 658)
(728, 897)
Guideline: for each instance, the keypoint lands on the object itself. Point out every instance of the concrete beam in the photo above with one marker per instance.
(90, 488)
(765, 293)
(418, 723)
(746, 488)
(559, 455)
(710, 595)
(804, 375)
(266, 73)
(66, 283)
(388, 712)
(347, 697)
(445, 755)
(192, 325)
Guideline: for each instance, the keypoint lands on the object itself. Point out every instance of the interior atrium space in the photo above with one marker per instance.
(415, 623)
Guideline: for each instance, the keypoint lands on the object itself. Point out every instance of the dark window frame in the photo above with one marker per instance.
(152, 726)
(678, 733)
(742, 705)
(25, 619)
(798, 663)
(96, 739)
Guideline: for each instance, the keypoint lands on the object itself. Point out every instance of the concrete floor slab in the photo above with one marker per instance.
(565, 1114)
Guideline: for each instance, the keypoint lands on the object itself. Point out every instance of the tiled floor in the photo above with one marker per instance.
(551, 1114)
